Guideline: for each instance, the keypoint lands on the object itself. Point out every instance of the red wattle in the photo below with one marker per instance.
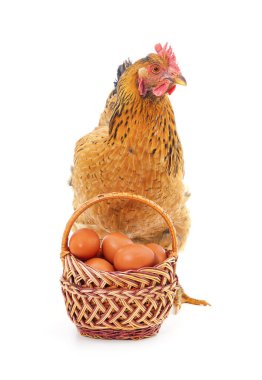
(161, 89)
(141, 87)
(172, 89)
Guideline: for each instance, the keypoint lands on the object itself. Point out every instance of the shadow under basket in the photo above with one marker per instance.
(118, 305)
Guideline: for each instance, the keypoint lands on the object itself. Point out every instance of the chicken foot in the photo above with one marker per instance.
(181, 297)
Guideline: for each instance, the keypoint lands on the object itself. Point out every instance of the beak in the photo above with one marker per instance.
(179, 79)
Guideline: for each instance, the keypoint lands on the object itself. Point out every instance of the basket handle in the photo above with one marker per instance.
(107, 196)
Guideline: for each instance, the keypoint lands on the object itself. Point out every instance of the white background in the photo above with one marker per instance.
(58, 62)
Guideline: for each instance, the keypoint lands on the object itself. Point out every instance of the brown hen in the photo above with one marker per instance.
(136, 149)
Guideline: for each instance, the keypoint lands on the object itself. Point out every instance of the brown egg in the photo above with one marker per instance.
(160, 253)
(133, 256)
(112, 242)
(84, 243)
(100, 264)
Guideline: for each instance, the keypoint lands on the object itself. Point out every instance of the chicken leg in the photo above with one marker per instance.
(181, 297)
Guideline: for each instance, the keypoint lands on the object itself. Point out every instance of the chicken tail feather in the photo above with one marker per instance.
(121, 69)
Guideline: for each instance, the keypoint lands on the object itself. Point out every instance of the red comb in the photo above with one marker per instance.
(168, 53)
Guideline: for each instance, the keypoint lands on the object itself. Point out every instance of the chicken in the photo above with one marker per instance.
(136, 149)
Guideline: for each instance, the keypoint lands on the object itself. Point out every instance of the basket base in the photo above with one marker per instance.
(120, 334)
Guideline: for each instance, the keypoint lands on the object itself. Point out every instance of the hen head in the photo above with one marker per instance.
(159, 73)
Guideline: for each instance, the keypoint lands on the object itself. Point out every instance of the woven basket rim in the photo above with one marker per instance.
(118, 273)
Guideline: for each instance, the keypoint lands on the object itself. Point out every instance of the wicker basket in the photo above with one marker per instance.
(118, 305)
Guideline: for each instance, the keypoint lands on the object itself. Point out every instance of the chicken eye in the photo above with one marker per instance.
(155, 69)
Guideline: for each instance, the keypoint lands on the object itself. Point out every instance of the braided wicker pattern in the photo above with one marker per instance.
(118, 305)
